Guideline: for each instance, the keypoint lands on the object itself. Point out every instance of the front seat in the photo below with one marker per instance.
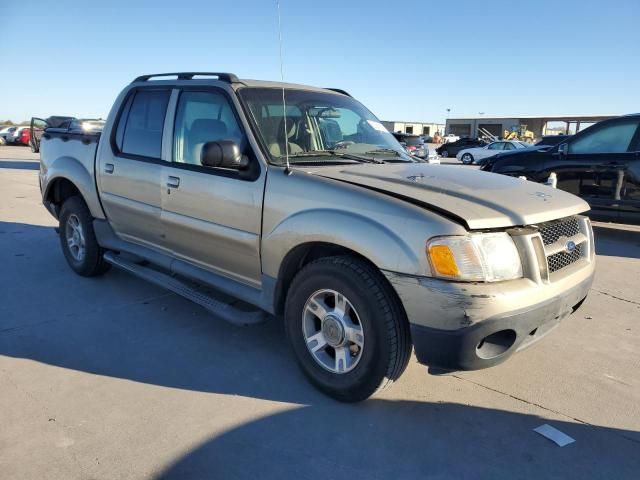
(203, 130)
(276, 145)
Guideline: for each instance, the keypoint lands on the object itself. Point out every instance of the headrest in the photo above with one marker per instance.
(206, 128)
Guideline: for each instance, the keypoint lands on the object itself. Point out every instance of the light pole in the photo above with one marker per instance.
(446, 126)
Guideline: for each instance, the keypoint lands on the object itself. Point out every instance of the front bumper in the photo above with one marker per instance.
(469, 326)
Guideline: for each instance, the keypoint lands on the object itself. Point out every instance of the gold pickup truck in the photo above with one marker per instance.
(310, 211)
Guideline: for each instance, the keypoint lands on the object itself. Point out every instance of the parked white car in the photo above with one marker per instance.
(450, 138)
(470, 156)
(5, 133)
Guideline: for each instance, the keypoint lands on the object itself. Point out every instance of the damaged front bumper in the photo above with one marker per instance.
(469, 326)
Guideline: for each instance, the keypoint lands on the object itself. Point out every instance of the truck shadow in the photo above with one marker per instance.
(617, 242)
(384, 439)
(121, 327)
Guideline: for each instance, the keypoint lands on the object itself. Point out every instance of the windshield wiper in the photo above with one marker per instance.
(383, 150)
(335, 153)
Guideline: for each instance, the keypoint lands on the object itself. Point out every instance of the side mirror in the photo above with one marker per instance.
(223, 154)
(563, 149)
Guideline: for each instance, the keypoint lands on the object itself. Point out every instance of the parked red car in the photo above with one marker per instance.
(25, 136)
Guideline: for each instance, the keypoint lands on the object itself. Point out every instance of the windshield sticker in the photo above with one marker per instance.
(377, 126)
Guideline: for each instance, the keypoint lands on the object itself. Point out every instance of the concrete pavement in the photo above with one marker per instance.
(113, 378)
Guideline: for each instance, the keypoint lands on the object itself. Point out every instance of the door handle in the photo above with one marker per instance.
(173, 182)
(108, 168)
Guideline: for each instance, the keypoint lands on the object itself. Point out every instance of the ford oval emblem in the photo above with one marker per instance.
(570, 246)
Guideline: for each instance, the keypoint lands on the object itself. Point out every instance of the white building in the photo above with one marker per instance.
(418, 128)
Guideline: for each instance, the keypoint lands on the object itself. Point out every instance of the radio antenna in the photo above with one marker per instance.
(284, 103)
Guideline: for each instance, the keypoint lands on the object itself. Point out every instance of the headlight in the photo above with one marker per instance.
(477, 257)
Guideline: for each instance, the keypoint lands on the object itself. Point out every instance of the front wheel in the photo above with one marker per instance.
(347, 328)
(467, 159)
(445, 154)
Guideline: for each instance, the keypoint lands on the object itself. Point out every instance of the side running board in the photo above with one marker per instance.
(225, 311)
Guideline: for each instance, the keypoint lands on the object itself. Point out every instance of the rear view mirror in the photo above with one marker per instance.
(563, 149)
(324, 112)
(223, 154)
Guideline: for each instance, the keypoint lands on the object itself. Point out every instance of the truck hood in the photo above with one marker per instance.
(475, 198)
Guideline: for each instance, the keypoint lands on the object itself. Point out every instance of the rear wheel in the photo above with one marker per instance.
(78, 240)
(467, 159)
(347, 328)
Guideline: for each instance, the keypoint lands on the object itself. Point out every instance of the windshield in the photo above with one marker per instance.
(321, 127)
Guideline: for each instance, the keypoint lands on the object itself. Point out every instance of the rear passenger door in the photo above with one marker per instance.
(212, 216)
(129, 167)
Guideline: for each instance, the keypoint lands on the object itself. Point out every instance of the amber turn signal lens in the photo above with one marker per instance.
(443, 261)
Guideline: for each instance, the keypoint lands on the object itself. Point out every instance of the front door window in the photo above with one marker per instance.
(614, 138)
(203, 117)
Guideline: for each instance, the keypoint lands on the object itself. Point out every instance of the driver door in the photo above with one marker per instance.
(37, 127)
(596, 163)
(211, 216)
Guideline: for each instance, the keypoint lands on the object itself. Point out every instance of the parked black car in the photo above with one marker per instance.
(452, 149)
(600, 164)
(413, 143)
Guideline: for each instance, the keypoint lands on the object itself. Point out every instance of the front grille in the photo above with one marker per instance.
(560, 260)
(552, 231)
(557, 236)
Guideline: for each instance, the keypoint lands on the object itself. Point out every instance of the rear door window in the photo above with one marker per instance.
(139, 131)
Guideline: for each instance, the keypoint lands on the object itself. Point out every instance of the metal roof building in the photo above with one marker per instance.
(539, 125)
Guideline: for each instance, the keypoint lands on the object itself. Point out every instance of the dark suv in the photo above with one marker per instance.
(452, 149)
(601, 164)
(414, 144)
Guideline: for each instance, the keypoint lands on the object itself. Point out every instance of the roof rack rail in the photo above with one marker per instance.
(339, 90)
(225, 77)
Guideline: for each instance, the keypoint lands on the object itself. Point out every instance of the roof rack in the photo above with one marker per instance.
(225, 77)
(339, 90)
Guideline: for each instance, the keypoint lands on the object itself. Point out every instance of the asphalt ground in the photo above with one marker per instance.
(114, 378)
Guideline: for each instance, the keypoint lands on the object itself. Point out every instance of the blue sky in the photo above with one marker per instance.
(408, 60)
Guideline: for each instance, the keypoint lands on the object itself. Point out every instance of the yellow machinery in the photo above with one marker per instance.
(521, 134)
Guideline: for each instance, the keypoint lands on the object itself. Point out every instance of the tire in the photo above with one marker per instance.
(76, 218)
(467, 159)
(374, 311)
(445, 153)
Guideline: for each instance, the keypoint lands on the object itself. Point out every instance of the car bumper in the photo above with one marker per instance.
(458, 326)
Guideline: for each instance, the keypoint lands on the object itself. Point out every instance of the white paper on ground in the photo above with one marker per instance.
(554, 435)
